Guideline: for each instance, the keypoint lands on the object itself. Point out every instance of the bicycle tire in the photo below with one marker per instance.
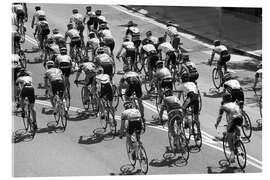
(115, 96)
(216, 76)
(112, 122)
(246, 125)
(197, 134)
(142, 156)
(225, 146)
(86, 106)
(63, 115)
(240, 145)
(129, 152)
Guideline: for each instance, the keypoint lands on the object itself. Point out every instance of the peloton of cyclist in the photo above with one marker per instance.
(38, 14)
(234, 120)
(58, 38)
(173, 33)
(103, 87)
(26, 89)
(21, 11)
(130, 51)
(92, 43)
(89, 69)
(133, 116)
(165, 48)
(54, 81)
(105, 61)
(192, 96)
(77, 21)
(223, 52)
(190, 68)
(75, 39)
(42, 30)
(132, 83)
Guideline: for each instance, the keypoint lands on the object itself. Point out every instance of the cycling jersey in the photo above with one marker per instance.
(232, 84)
(134, 32)
(53, 48)
(165, 47)
(38, 14)
(171, 103)
(24, 81)
(57, 37)
(76, 19)
(189, 87)
(171, 31)
(232, 110)
(131, 115)
(103, 59)
(88, 68)
(190, 66)
(163, 73)
(128, 45)
(62, 59)
(220, 48)
(153, 39)
(93, 43)
(15, 59)
(103, 79)
(27, 89)
(106, 34)
(148, 47)
(73, 33)
(131, 76)
(43, 27)
(54, 74)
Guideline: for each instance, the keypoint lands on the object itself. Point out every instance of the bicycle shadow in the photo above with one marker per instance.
(81, 115)
(259, 125)
(127, 169)
(42, 98)
(213, 93)
(21, 135)
(224, 167)
(51, 128)
(47, 112)
(170, 159)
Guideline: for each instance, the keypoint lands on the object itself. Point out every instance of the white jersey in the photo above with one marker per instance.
(171, 31)
(72, 33)
(189, 87)
(128, 45)
(149, 47)
(232, 110)
(101, 18)
(106, 34)
(25, 80)
(220, 48)
(88, 67)
(57, 36)
(39, 13)
(15, 59)
(233, 84)
(153, 39)
(165, 47)
(63, 58)
(18, 7)
(76, 18)
(93, 42)
(131, 115)
(103, 79)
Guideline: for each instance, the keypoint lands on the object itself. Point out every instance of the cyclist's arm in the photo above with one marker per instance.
(221, 110)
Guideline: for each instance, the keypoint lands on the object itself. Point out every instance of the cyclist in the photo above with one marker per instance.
(105, 61)
(192, 96)
(64, 63)
(165, 48)
(148, 51)
(90, 15)
(42, 29)
(258, 75)
(26, 89)
(58, 38)
(173, 33)
(190, 68)
(77, 21)
(75, 38)
(106, 36)
(99, 19)
(92, 43)
(132, 83)
(51, 49)
(54, 82)
(162, 77)
(233, 87)
(133, 116)
(152, 38)
(103, 87)
(130, 51)
(234, 120)
(224, 55)
(106, 49)
(21, 11)
(171, 103)
(134, 32)
(39, 13)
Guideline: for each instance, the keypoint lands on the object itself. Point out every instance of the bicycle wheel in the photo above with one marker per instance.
(226, 148)
(139, 63)
(241, 154)
(86, 106)
(172, 125)
(216, 77)
(143, 160)
(130, 151)
(246, 125)
(115, 96)
(63, 116)
(197, 133)
(112, 122)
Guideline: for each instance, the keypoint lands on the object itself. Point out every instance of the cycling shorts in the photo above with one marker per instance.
(194, 102)
(76, 41)
(171, 59)
(108, 68)
(234, 123)
(237, 94)
(152, 62)
(29, 92)
(224, 58)
(106, 91)
(137, 43)
(167, 83)
(176, 42)
(65, 68)
(58, 85)
(134, 126)
(134, 86)
(193, 76)
(110, 43)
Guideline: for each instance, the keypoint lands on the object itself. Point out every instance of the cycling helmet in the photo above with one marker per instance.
(24, 72)
(49, 64)
(216, 42)
(161, 39)
(148, 33)
(37, 8)
(168, 92)
(50, 40)
(55, 31)
(185, 77)
(227, 77)
(131, 23)
(75, 11)
(128, 104)
(185, 58)
(98, 12)
(88, 8)
(69, 25)
(91, 35)
(102, 19)
(63, 50)
(159, 64)
(226, 97)
(100, 51)
(103, 26)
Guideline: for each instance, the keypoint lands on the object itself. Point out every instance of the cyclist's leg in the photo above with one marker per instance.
(110, 96)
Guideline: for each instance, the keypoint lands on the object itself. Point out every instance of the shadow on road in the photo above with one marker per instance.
(250, 65)
(127, 169)
(258, 126)
(47, 112)
(80, 116)
(224, 167)
(21, 135)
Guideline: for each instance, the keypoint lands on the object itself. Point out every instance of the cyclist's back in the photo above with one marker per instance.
(172, 103)
(73, 33)
(54, 74)
(163, 73)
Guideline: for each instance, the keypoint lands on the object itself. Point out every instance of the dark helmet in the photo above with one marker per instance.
(88, 8)
(91, 35)
(185, 77)
(227, 97)
(37, 8)
(63, 50)
(69, 25)
(50, 40)
(55, 31)
(130, 23)
(128, 104)
(216, 42)
(159, 64)
(98, 12)
(185, 58)
(168, 92)
(148, 33)
(75, 11)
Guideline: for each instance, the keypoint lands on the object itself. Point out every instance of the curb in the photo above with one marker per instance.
(236, 50)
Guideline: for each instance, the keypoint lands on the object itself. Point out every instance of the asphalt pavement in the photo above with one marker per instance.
(84, 150)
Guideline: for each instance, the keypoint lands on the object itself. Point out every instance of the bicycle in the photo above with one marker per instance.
(176, 136)
(61, 111)
(238, 148)
(28, 123)
(91, 100)
(136, 147)
(217, 77)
